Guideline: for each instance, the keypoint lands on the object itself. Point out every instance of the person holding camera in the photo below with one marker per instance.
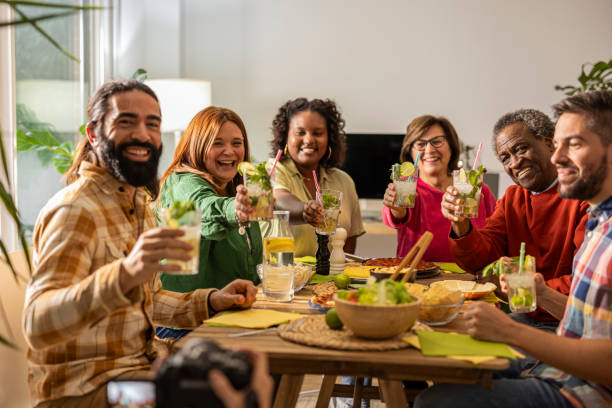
(95, 291)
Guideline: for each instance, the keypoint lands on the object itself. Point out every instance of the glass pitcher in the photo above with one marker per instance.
(278, 246)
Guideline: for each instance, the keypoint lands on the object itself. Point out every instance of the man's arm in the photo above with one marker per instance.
(65, 296)
(588, 357)
(188, 310)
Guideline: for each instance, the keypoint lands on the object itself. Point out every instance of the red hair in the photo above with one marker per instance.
(192, 150)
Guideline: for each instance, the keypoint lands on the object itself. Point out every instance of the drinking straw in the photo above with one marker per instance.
(416, 162)
(314, 177)
(417, 159)
(521, 258)
(477, 156)
(278, 155)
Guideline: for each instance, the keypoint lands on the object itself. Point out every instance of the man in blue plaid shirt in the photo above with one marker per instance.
(575, 368)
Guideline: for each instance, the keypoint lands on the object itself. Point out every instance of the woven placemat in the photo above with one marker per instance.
(313, 331)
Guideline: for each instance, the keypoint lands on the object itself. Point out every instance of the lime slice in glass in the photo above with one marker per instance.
(246, 167)
(406, 169)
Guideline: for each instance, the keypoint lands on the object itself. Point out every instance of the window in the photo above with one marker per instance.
(52, 90)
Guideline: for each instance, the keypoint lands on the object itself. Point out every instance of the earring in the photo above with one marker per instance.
(330, 152)
(285, 151)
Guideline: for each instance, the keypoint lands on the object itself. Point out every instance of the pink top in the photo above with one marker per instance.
(427, 216)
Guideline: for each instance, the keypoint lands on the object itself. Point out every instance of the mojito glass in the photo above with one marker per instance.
(331, 200)
(260, 192)
(521, 286)
(405, 187)
(469, 192)
(190, 222)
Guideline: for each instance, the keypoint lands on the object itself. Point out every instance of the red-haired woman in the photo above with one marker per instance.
(204, 170)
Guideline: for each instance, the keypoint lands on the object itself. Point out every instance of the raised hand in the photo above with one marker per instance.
(151, 247)
(389, 201)
(451, 204)
(313, 213)
(243, 204)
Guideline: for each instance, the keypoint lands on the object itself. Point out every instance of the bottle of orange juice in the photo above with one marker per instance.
(278, 244)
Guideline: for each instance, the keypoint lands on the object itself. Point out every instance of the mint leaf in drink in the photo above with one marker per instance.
(329, 200)
(180, 208)
(261, 176)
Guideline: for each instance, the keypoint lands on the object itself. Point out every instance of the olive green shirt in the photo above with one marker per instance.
(288, 177)
(224, 253)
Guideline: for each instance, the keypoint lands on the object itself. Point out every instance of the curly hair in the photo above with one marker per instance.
(537, 122)
(596, 106)
(336, 138)
(419, 126)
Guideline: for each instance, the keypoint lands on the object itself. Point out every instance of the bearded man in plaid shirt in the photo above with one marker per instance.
(95, 293)
(575, 367)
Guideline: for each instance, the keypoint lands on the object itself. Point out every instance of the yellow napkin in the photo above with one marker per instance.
(451, 344)
(449, 267)
(252, 318)
(413, 340)
(357, 271)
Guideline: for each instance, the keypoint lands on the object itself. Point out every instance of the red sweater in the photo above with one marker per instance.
(552, 228)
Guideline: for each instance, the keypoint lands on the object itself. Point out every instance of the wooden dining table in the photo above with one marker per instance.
(293, 361)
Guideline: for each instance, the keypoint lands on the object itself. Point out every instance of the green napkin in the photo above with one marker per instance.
(307, 259)
(450, 267)
(316, 278)
(435, 343)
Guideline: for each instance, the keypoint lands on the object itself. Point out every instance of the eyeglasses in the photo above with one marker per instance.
(436, 143)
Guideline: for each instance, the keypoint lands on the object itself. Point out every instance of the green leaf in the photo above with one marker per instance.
(82, 129)
(40, 18)
(8, 343)
(140, 75)
(61, 164)
(49, 5)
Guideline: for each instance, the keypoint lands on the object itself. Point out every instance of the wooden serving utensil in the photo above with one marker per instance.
(415, 254)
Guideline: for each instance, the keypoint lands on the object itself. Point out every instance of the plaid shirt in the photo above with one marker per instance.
(81, 330)
(588, 313)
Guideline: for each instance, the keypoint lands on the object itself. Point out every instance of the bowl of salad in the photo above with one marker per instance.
(379, 310)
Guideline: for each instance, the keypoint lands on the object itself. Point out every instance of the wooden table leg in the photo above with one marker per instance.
(327, 387)
(393, 393)
(357, 392)
(288, 390)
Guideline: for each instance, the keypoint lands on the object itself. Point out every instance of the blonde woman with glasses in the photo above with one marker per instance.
(436, 139)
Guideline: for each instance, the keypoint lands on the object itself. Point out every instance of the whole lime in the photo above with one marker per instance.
(332, 320)
(342, 281)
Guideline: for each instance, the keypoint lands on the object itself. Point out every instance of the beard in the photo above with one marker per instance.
(127, 171)
(587, 186)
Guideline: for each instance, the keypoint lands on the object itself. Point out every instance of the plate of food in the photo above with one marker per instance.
(470, 289)
(323, 299)
(424, 269)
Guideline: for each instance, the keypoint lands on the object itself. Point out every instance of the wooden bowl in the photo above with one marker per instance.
(377, 321)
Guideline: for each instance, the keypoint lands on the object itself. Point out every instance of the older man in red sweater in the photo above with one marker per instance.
(531, 211)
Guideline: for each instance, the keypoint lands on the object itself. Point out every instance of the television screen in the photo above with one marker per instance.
(369, 157)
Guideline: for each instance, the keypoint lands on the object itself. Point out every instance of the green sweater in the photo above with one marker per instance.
(224, 253)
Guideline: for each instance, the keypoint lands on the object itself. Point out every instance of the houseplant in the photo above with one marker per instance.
(6, 197)
(598, 77)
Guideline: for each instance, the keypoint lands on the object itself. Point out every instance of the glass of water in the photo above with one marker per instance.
(277, 282)
(405, 187)
(190, 222)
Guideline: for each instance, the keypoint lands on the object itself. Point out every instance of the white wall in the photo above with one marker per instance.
(383, 61)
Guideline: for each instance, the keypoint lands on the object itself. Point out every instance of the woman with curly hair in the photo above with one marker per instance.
(437, 141)
(311, 135)
(204, 170)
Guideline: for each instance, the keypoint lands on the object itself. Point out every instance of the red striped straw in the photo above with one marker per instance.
(477, 157)
(314, 177)
(278, 155)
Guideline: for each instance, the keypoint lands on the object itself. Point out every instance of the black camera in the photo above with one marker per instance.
(182, 380)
